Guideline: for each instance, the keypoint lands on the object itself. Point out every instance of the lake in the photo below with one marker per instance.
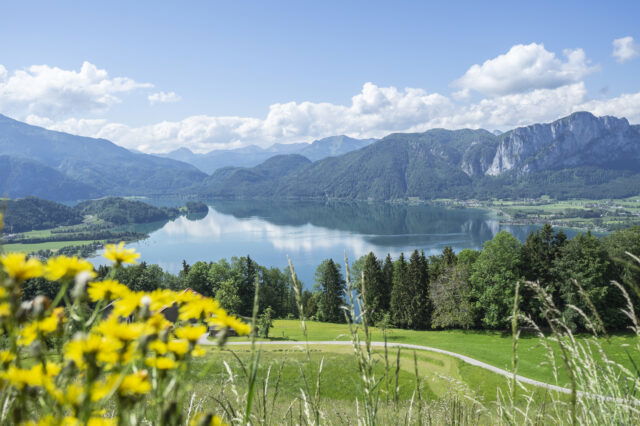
(309, 232)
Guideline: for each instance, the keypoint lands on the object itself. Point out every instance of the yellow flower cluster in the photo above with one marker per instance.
(118, 254)
(113, 343)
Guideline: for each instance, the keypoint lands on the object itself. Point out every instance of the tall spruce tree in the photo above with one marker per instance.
(401, 294)
(247, 273)
(376, 294)
(418, 276)
(332, 287)
(387, 279)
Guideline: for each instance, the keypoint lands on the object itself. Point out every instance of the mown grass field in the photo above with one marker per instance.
(494, 348)
(292, 369)
(50, 245)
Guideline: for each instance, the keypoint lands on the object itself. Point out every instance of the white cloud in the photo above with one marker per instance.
(626, 105)
(524, 68)
(163, 97)
(53, 92)
(625, 48)
(374, 112)
(527, 85)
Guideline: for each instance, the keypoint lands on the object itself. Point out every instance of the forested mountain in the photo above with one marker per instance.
(20, 177)
(101, 166)
(577, 156)
(255, 181)
(121, 211)
(34, 213)
(253, 155)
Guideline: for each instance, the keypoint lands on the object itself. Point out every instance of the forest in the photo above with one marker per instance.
(472, 289)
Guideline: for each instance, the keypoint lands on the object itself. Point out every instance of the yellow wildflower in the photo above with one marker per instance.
(198, 351)
(199, 307)
(191, 332)
(128, 304)
(158, 347)
(118, 254)
(65, 268)
(101, 389)
(19, 378)
(19, 268)
(5, 309)
(45, 326)
(156, 323)
(81, 349)
(52, 369)
(135, 384)
(101, 421)
(161, 299)
(161, 363)
(209, 420)
(107, 290)
(120, 330)
(178, 347)
(223, 320)
(113, 357)
(6, 357)
(28, 334)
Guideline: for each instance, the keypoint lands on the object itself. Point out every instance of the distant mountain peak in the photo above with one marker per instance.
(181, 150)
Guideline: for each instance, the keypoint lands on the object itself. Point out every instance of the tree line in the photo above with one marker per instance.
(470, 289)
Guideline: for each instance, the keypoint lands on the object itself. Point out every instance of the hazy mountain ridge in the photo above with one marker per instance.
(87, 166)
(253, 155)
(20, 177)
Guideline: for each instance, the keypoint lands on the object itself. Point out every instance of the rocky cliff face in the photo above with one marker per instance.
(580, 139)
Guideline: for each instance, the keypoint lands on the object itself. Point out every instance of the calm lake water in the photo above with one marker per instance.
(309, 232)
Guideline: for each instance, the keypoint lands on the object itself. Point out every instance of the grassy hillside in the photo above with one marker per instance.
(494, 348)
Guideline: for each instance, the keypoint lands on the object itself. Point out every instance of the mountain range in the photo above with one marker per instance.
(253, 155)
(580, 155)
(577, 156)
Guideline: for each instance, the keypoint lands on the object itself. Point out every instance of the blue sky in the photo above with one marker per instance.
(223, 74)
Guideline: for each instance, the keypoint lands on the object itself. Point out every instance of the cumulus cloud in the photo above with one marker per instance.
(163, 97)
(374, 112)
(524, 68)
(54, 92)
(626, 105)
(526, 85)
(625, 48)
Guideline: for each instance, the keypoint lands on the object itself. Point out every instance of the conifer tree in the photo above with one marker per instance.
(332, 287)
(387, 278)
(401, 294)
(248, 271)
(418, 273)
(377, 297)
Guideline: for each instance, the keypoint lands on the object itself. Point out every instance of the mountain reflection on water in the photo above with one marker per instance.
(309, 232)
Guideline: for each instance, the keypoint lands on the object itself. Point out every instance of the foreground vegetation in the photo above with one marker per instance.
(68, 358)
